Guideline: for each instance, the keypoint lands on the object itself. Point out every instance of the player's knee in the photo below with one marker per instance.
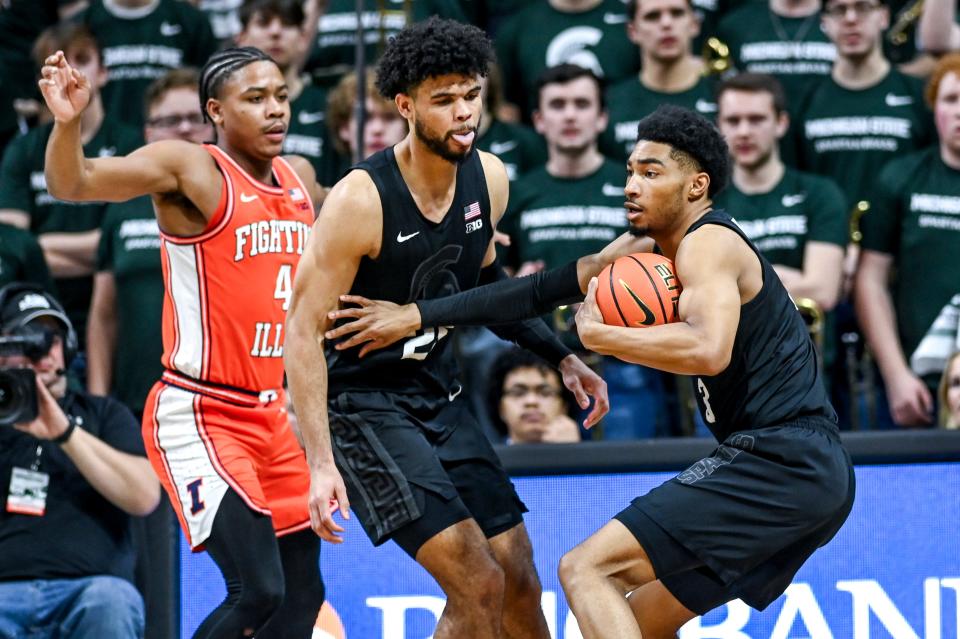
(261, 597)
(485, 587)
(574, 569)
(522, 583)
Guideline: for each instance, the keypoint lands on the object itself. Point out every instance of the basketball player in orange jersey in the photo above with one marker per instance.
(415, 221)
(234, 220)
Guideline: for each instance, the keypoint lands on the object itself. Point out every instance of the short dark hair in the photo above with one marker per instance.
(511, 360)
(290, 12)
(634, 5)
(566, 72)
(432, 48)
(756, 83)
(221, 66)
(182, 78)
(694, 140)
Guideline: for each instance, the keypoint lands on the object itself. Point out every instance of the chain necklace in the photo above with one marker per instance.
(802, 30)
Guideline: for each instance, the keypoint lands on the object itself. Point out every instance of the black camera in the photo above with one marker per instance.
(18, 386)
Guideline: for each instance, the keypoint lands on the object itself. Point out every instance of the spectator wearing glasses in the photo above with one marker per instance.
(527, 401)
(867, 111)
(68, 232)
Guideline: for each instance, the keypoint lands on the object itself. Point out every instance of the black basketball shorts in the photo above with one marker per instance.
(740, 523)
(414, 467)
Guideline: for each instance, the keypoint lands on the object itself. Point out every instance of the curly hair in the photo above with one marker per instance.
(432, 48)
(696, 143)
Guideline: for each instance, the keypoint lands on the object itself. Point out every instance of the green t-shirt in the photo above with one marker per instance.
(224, 17)
(794, 50)
(561, 219)
(519, 147)
(308, 136)
(801, 208)
(140, 45)
(333, 51)
(850, 135)
(21, 259)
(539, 37)
(629, 101)
(916, 220)
(130, 249)
(23, 187)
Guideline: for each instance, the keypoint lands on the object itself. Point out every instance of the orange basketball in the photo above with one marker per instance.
(639, 290)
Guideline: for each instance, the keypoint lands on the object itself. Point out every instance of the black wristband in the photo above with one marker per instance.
(62, 438)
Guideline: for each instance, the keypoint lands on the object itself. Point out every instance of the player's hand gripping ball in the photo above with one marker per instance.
(641, 289)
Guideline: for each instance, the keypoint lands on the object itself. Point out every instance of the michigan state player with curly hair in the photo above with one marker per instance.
(390, 432)
(234, 217)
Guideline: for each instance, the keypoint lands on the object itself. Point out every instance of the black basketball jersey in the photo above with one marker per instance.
(774, 371)
(419, 259)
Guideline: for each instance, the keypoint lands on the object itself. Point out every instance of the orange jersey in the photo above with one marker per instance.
(227, 289)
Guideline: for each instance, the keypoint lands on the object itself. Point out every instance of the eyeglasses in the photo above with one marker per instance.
(518, 391)
(172, 121)
(860, 9)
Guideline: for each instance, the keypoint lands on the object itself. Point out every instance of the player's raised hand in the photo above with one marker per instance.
(376, 324)
(327, 495)
(584, 384)
(65, 89)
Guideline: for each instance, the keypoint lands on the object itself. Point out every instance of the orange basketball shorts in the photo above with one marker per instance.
(201, 445)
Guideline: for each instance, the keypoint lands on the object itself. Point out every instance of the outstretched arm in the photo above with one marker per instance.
(710, 263)
(162, 167)
(325, 272)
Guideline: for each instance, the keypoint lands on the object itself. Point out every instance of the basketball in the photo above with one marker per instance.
(641, 289)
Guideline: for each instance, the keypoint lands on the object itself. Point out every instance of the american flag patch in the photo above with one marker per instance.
(472, 211)
(296, 194)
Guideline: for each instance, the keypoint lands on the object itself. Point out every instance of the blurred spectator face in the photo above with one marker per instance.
(530, 403)
(383, 127)
(751, 126)
(282, 42)
(175, 116)
(84, 57)
(49, 367)
(947, 112)
(950, 393)
(569, 115)
(664, 29)
(855, 26)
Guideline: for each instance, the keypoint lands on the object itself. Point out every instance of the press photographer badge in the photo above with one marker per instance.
(28, 492)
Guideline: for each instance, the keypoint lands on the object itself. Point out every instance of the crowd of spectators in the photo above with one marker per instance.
(843, 122)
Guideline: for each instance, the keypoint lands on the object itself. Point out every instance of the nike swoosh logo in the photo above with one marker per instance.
(401, 238)
(614, 18)
(305, 117)
(168, 29)
(793, 200)
(612, 190)
(897, 100)
(705, 106)
(453, 394)
(648, 318)
(502, 147)
(247, 198)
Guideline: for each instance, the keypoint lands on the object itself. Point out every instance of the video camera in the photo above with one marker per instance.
(18, 386)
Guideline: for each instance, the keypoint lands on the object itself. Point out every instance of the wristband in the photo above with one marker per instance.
(72, 423)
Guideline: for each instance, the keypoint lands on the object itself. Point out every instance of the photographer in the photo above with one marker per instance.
(70, 479)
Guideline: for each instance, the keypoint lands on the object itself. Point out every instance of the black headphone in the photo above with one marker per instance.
(70, 341)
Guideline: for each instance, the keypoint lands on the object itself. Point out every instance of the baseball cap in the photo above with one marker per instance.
(25, 306)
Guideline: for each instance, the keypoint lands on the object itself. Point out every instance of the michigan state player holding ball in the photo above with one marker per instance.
(740, 523)
(416, 221)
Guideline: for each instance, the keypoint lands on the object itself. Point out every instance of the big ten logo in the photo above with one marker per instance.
(671, 283)
(328, 624)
